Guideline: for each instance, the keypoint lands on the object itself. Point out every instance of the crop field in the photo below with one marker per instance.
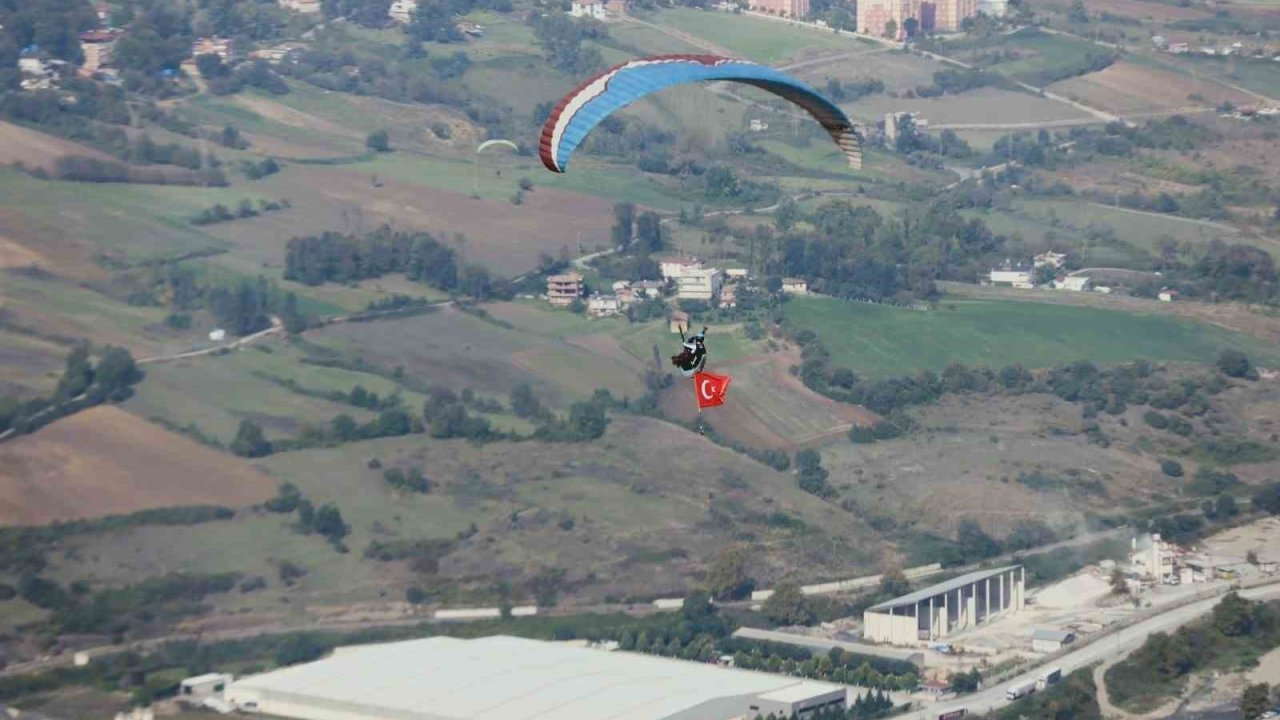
(1144, 10)
(1133, 87)
(765, 41)
(29, 365)
(104, 461)
(129, 222)
(35, 149)
(880, 341)
(898, 71)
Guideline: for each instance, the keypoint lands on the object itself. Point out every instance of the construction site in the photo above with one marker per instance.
(991, 620)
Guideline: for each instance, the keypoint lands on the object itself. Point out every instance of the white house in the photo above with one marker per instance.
(593, 10)
(1017, 276)
(1049, 259)
(675, 268)
(603, 305)
(32, 66)
(402, 11)
(648, 288)
(309, 7)
(1076, 283)
(1167, 295)
(218, 335)
(736, 273)
(700, 284)
(795, 286)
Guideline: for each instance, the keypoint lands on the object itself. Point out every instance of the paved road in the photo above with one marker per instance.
(1120, 642)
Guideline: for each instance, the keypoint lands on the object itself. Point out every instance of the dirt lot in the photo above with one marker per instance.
(1126, 88)
(504, 237)
(105, 461)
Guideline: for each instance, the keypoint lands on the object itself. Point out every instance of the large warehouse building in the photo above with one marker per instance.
(507, 678)
(939, 610)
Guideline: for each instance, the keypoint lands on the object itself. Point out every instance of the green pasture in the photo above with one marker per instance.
(1048, 51)
(759, 39)
(881, 341)
(1143, 231)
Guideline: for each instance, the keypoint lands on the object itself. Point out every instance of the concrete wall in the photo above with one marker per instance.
(893, 629)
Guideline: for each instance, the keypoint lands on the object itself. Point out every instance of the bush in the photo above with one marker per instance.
(1172, 468)
(378, 141)
(1234, 363)
(1155, 419)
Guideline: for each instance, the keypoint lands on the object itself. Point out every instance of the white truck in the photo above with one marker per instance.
(1019, 691)
(1048, 677)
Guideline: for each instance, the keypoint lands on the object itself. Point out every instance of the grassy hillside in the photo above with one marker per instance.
(881, 341)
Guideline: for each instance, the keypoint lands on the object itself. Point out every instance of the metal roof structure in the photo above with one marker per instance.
(942, 587)
(508, 678)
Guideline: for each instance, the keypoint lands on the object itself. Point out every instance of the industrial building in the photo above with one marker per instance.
(504, 678)
(940, 610)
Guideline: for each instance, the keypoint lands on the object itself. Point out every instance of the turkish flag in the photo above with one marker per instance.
(710, 388)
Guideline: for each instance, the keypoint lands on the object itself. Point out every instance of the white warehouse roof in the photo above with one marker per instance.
(508, 678)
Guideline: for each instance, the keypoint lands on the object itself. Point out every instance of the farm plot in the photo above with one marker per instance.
(898, 71)
(29, 365)
(104, 461)
(505, 237)
(890, 341)
(215, 393)
(35, 149)
(1131, 88)
(1140, 230)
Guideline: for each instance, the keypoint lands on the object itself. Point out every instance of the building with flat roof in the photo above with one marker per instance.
(562, 290)
(508, 678)
(940, 610)
(702, 284)
(1047, 641)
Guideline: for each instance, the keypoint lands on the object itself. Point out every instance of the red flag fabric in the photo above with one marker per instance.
(710, 389)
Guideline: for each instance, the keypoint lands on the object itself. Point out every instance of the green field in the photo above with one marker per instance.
(880, 341)
(1143, 231)
(765, 41)
(1044, 51)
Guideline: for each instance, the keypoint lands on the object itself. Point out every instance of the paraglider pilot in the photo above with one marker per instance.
(693, 356)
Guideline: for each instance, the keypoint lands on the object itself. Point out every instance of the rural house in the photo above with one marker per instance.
(1076, 283)
(700, 284)
(593, 10)
(402, 11)
(1167, 295)
(309, 7)
(1014, 275)
(1047, 641)
(603, 305)
(224, 48)
(795, 286)
(562, 290)
(1049, 259)
(679, 321)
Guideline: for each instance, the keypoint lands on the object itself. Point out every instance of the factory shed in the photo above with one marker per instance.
(507, 678)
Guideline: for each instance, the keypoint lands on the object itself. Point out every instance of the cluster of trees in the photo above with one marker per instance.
(81, 168)
(561, 38)
(225, 80)
(325, 521)
(424, 556)
(83, 384)
(853, 90)
(1237, 628)
(913, 142)
(334, 257)
(813, 477)
(241, 307)
(221, 213)
(854, 252)
(125, 610)
(410, 480)
(953, 81)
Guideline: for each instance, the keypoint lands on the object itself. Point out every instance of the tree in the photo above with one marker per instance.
(1233, 616)
(697, 605)
(116, 371)
(1118, 584)
(1251, 557)
(1267, 498)
(77, 376)
(788, 606)
(250, 442)
(964, 682)
(910, 26)
(1225, 507)
(727, 576)
(894, 583)
(1234, 363)
(785, 217)
(624, 215)
(329, 523)
(1172, 468)
(415, 595)
(1255, 701)
(891, 29)
(974, 543)
(286, 500)
(378, 141)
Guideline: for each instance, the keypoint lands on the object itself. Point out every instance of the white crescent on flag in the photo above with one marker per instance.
(702, 389)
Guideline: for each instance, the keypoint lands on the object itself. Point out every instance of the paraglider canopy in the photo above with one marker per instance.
(589, 104)
(497, 141)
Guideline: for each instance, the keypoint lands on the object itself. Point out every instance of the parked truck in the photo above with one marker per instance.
(1021, 690)
(1048, 677)
(953, 714)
